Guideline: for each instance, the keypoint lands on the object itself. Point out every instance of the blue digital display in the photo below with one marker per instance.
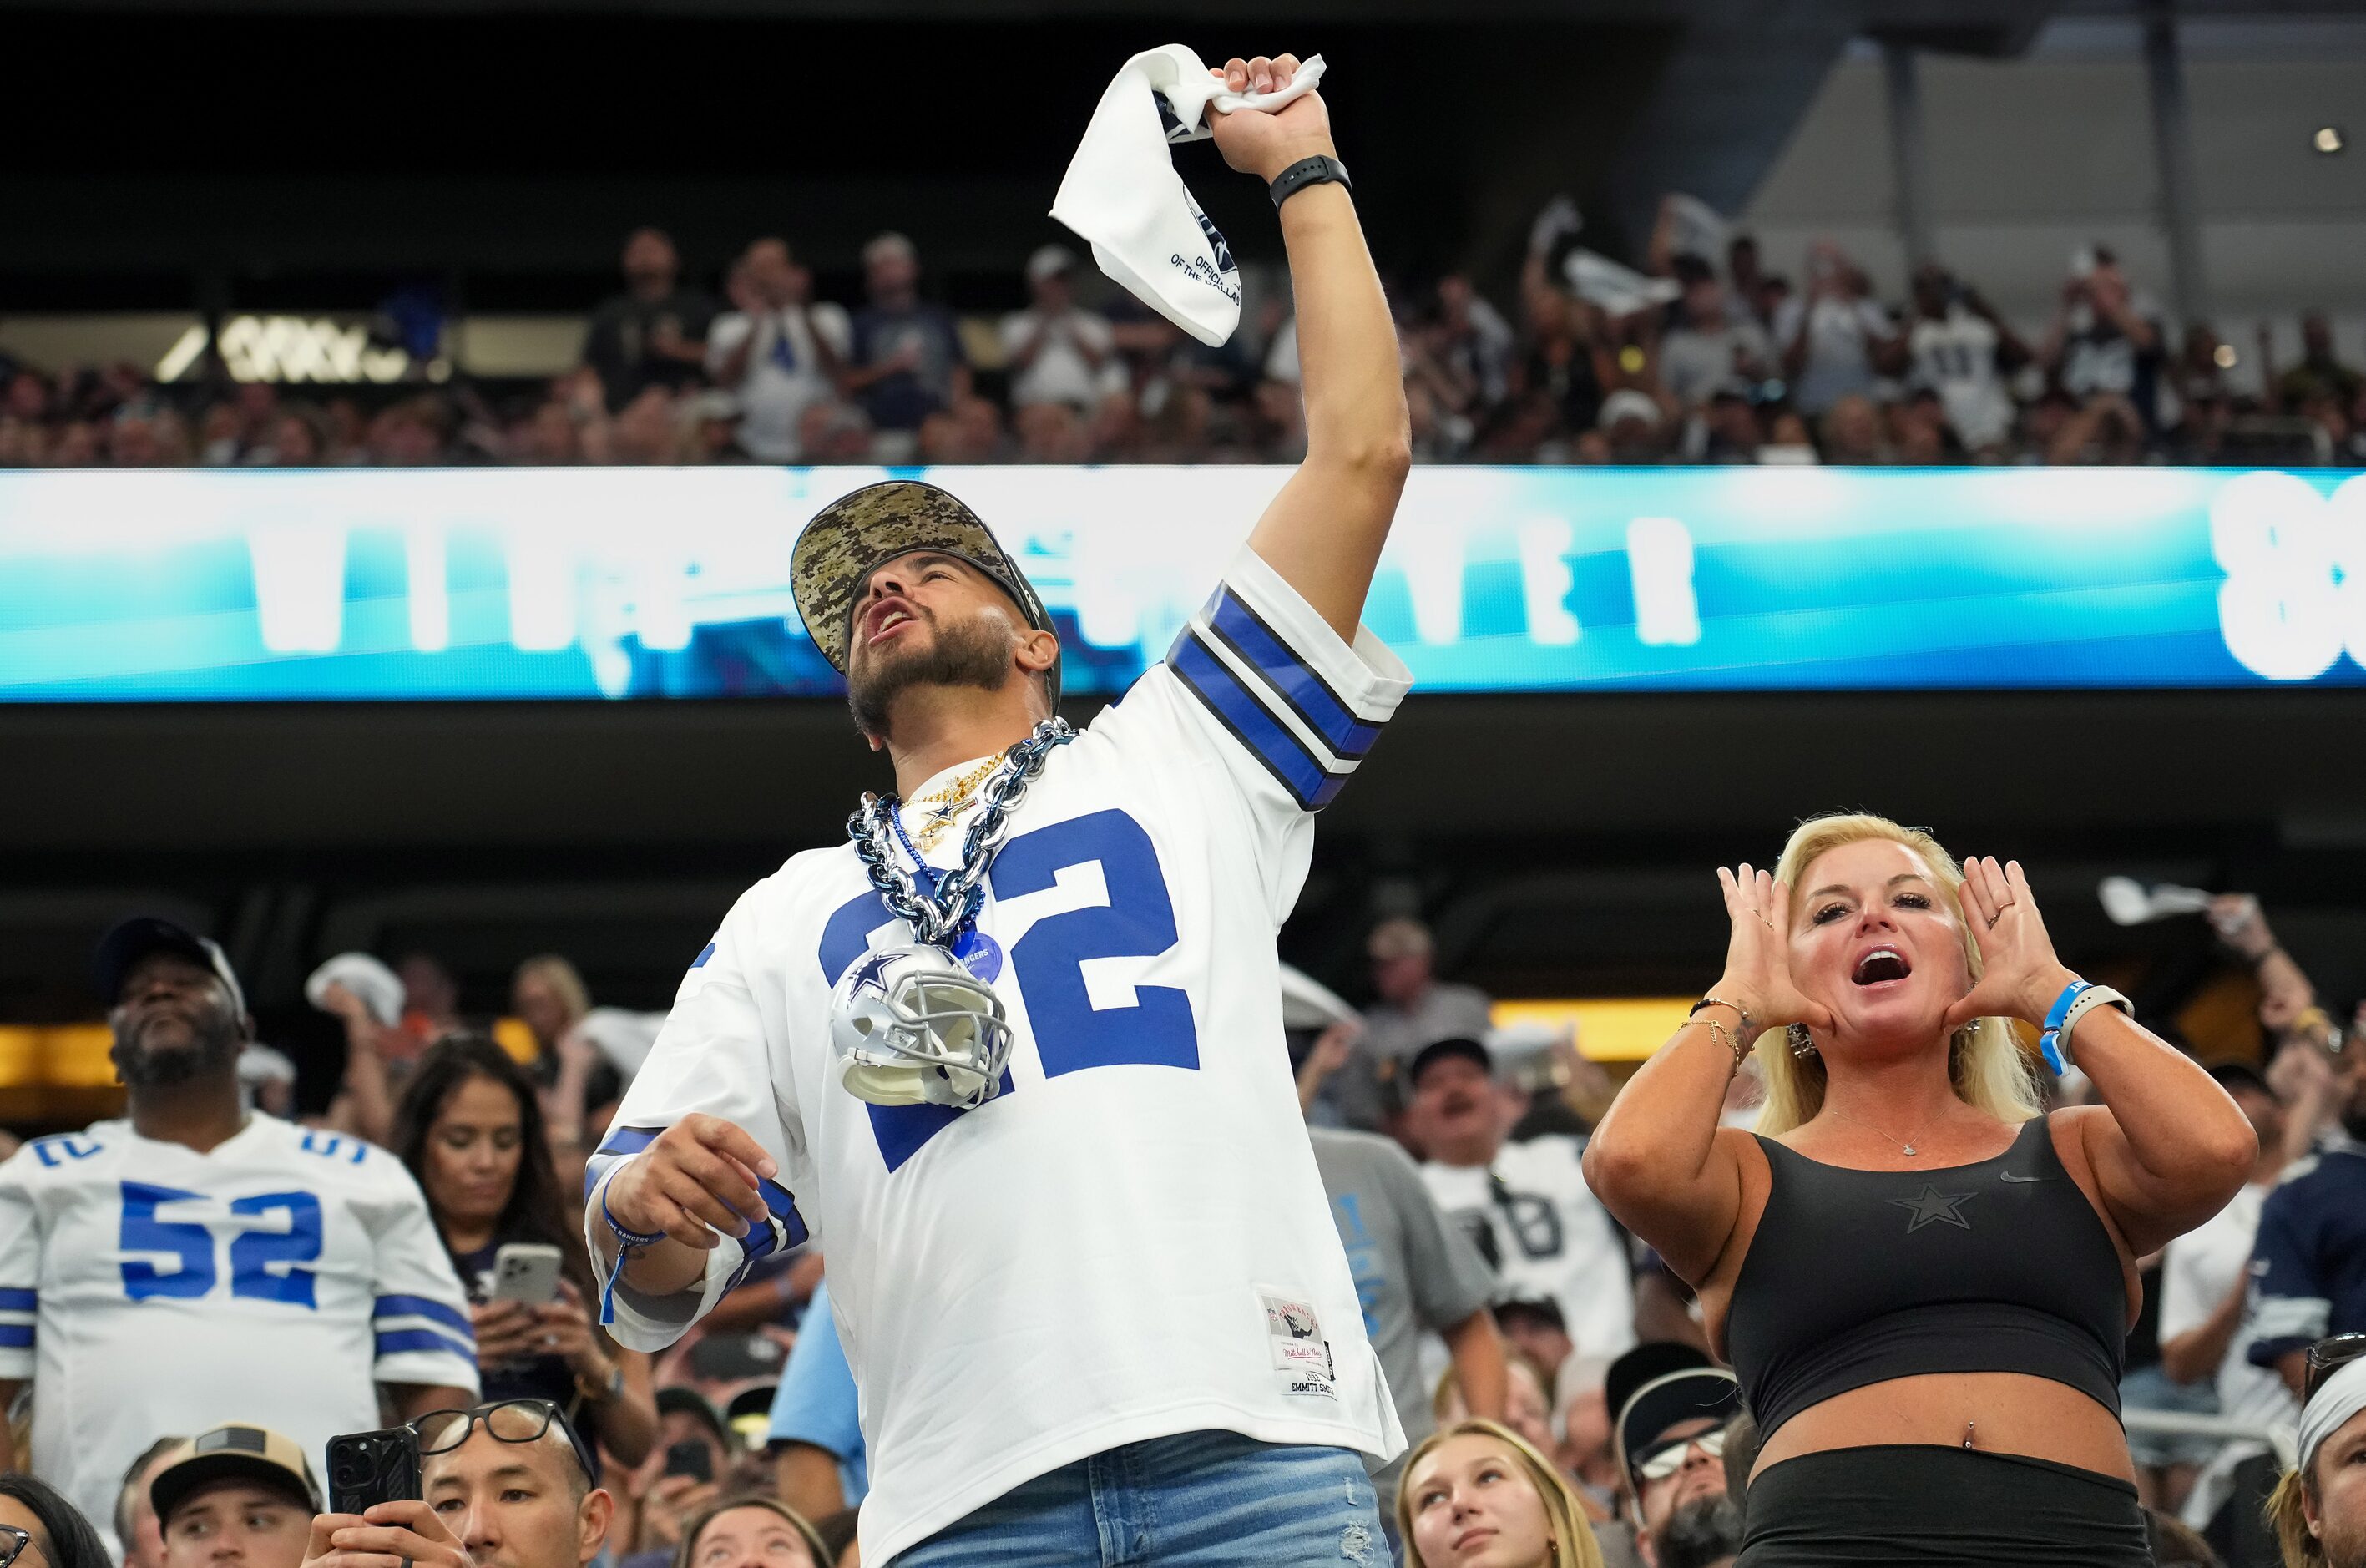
(422, 584)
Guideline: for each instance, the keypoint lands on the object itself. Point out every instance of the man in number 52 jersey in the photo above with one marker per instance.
(197, 1263)
(1090, 1290)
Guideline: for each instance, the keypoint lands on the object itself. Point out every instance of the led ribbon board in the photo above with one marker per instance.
(428, 584)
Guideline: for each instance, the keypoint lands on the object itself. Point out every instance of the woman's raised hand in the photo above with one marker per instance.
(2020, 975)
(1758, 955)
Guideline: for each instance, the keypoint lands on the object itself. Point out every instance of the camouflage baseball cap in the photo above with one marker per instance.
(848, 539)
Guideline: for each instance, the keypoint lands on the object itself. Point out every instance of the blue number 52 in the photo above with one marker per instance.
(264, 1265)
(1071, 1033)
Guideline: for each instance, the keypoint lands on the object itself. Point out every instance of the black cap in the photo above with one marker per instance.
(128, 941)
(750, 1415)
(1440, 1050)
(678, 1400)
(1544, 1309)
(1654, 1387)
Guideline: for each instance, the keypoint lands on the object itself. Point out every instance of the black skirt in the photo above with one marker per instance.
(1939, 1507)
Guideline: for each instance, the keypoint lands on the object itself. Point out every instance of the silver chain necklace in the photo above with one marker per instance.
(939, 914)
(1904, 1147)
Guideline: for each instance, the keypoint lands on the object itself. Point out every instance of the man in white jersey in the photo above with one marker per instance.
(197, 1261)
(1963, 350)
(1523, 1201)
(1100, 1314)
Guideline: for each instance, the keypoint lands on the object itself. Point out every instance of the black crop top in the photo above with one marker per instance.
(1856, 1277)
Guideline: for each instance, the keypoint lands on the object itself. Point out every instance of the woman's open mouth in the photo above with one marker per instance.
(1880, 967)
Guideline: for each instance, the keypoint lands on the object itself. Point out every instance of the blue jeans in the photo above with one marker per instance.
(1198, 1500)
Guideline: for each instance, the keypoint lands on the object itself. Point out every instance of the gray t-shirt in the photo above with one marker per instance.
(1694, 363)
(1413, 1270)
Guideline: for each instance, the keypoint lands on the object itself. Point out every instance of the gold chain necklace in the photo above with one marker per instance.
(942, 808)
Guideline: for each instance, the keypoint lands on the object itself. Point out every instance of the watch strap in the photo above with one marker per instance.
(1321, 169)
(2088, 1001)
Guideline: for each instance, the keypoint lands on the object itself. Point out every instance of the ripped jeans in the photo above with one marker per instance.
(1197, 1500)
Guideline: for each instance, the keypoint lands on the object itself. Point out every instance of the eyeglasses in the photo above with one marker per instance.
(2324, 1357)
(509, 1421)
(13, 1542)
(1662, 1462)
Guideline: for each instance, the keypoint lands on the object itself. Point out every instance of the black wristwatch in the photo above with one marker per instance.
(1314, 170)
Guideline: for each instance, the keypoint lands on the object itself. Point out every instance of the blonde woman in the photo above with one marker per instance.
(1477, 1494)
(2318, 1511)
(750, 1531)
(1923, 1283)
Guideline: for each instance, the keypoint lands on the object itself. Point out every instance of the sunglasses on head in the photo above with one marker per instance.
(2328, 1357)
(507, 1421)
(1661, 1463)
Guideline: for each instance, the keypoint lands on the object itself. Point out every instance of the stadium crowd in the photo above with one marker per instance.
(1523, 1332)
(1704, 357)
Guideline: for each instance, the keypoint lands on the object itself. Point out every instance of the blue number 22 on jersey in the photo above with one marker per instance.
(1071, 1033)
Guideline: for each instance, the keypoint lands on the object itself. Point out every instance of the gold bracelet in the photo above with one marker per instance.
(1738, 1010)
(1722, 1035)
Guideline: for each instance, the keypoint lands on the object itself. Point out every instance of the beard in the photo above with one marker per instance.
(974, 652)
(213, 1048)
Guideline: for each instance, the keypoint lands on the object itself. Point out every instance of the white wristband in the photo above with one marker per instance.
(2088, 999)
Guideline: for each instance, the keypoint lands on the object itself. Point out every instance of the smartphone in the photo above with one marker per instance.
(691, 1458)
(527, 1272)
(369, 1468)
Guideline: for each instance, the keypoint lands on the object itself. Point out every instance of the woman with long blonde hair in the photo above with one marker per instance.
(1923, 1283)
(1477, 1494)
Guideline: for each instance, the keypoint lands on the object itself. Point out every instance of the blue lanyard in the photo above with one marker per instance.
(929, 873)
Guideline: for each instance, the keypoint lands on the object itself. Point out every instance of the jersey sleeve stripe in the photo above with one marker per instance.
(623, 1141)
(16, 1336)
(16, 1299)
(786, 1229)
(628, 1140)
(1286, 757)
(1294, 680)
(429, 1307)
(398, 1341)
(2299, 1318)
(620, 1142)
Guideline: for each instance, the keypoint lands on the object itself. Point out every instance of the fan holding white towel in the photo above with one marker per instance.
(1123, 194)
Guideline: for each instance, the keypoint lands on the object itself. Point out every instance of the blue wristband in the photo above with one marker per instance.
(2049, 1042)
(627, 1240)
(630, 1238)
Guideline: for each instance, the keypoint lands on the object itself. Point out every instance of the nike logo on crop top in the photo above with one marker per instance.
(2008, 1176)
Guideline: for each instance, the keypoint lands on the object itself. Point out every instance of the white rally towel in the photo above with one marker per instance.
(1123, 194)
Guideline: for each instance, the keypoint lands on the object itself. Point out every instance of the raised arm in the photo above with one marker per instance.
(1659, 1161)
(1324, 531)
(2168, 1147)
